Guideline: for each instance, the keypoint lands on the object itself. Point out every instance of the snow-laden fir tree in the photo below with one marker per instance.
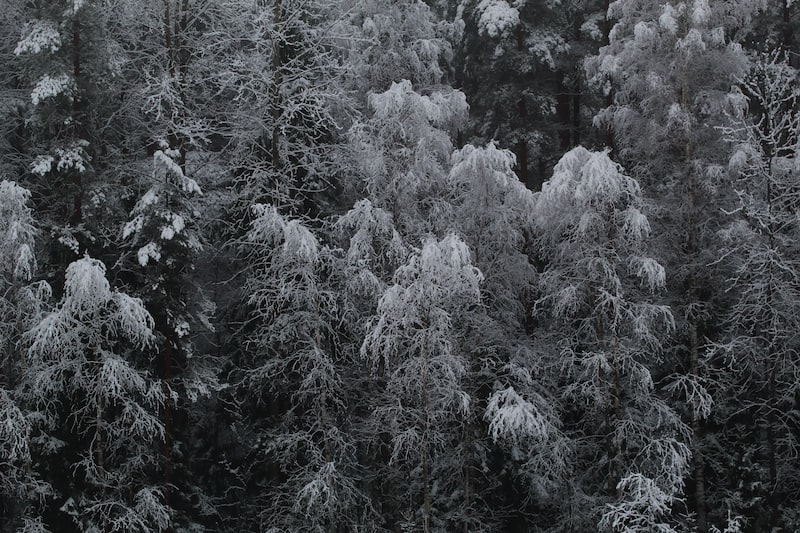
(163, 241)
(510, 384)
(53, 53)
(597, 313)
(667, 71)
(303, 461)
(415, 345)
(20, 304)
(761, 248)
(96, 413)
(404, 153)
(396, 41)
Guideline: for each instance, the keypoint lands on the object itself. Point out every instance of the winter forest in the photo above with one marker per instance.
(399, 266)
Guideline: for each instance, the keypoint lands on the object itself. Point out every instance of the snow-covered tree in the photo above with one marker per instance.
(286, 79)
(404, 152)
(514, 406)
(415, 346)
(165, 244)
(96, 413)
(61, 55)
(491, 209)
(761, 246)
(19, 306)
(631, 448)
(528, 53)
(303, 459)
(396, 41)
(668, 68)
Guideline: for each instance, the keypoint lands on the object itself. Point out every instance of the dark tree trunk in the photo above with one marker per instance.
(77, 209)
(563, 113)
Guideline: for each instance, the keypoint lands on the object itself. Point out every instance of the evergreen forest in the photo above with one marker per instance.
(395, 266)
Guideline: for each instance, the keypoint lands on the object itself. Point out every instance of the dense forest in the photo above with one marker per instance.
(399, 265)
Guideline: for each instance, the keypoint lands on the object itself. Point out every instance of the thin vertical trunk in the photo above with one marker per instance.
(787, 36)
(171, 40)
(692, 317)
(563, 113)
(426, 484)
(522, 149)
(168, 37)
(609, 100)
(772, 401)
(277, 110)
(522, 163)
(522, 110)
(184, 58)
(616, 456)
(576, 114)
(167, 373)
(98, 438)
(468, 489)
(77, 209)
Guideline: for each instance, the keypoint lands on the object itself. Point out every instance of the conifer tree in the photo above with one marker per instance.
(415, 344)
(670, 66)
(760, 248)
(631, 447)
(303, 458)
(20, 304)
(81, 357)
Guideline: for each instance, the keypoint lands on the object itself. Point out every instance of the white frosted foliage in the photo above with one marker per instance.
(90, 302)
(50, 87)
(511, 417)
(584, 180)
(14, 432)
(40, 36)
(497, 17)
(373, 234)
(595, 241)
(159, 216)
(643, 506)
(42, 165)
(299, 242)
(667, 19)
(86, 287)
(17, 231)
(701, 12)
(439, 108)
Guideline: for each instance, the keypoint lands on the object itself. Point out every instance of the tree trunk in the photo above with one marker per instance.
(772, 356)
(277, 110)
(563, 113)
(694, 343)
(609, 101)
(576, 114)
(522, 150)
(77, 208)
(426, 483)
(787, 35)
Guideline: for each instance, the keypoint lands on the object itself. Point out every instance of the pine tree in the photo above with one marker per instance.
(19, 307)
(515, 409)
(415, 344)
(302, 464)
(81, 370)
(631, 448)
(760, 247)
(663, 117)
